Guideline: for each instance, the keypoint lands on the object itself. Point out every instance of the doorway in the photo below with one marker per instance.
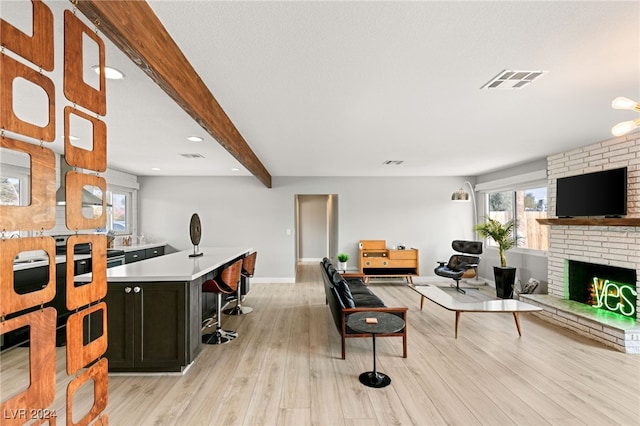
(316, 227)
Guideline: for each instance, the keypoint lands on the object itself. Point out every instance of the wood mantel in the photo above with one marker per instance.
(622, 221)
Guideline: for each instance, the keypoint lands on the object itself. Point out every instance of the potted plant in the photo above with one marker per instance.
(503, 235)
(342, 261)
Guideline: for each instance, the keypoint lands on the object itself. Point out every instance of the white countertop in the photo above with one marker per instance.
(135, 247)
(172, 267)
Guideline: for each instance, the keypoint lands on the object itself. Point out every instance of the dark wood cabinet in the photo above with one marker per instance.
(82, 266)
(142, 254)
(153, 252)
(209, 304)
(149, 325)
(120, 321)
(134, 256)
(30, 279)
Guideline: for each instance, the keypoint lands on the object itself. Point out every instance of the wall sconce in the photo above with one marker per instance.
(625, 126)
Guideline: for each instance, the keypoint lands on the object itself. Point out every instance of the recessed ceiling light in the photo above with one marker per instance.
(510, 79)
(109, 72)
(155, 169)
(235, 169)
(195, 139)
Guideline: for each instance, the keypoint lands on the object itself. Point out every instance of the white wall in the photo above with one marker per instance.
(240, 211)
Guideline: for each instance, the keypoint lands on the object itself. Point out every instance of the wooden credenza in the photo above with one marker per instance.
(376, 260)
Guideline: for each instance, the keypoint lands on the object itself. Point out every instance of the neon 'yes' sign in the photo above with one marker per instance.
(615, 297)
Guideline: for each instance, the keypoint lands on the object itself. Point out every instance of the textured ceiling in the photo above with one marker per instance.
(336, 88)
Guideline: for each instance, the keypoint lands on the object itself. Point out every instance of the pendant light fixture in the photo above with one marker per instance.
(625, 126)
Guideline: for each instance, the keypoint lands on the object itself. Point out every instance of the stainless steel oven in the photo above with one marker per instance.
(115, 257)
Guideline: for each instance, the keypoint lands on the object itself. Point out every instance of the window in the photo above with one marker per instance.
(9, 191)
(119, 210)
(119, 217)
(524, 206)
(531, 204)
(14, 190)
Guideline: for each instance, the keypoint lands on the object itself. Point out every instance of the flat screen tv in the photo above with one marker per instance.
(593, 194)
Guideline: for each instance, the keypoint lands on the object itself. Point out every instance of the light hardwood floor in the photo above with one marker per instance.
(285, 369)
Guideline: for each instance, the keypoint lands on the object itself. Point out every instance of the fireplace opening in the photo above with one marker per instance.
(604, 287)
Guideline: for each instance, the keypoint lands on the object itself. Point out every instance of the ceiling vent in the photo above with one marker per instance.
(509, 79)
(393, 162)
(192, 155)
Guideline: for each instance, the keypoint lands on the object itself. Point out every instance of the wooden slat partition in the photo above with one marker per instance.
(84, 354)
(32, 405)
(9, 120)
(98, 374)
(73, 193)
(137, 31)
(75, 88)
(41, 212)
(93, 159)
(10, 300)
(37, 47)
(41, 392)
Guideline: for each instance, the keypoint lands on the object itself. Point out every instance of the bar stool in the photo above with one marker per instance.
(225, 283)
(248, 268)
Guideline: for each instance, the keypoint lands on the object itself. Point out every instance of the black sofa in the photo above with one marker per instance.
(346, 294)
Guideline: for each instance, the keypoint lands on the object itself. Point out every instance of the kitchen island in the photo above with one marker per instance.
(155, 309)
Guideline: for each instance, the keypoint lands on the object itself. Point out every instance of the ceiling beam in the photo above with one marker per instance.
(136, 30)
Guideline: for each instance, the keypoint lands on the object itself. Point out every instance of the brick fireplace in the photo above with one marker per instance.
(614, 243)
(608, 288)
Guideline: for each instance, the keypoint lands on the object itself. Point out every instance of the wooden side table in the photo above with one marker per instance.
(386, 323)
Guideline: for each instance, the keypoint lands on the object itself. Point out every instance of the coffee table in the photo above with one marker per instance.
(445, 300)
(386, 323)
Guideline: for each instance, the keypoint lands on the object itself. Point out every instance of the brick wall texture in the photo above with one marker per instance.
(605, 245)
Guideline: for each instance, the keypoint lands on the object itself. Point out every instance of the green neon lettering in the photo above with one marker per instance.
(611, 291)
(606, 290)
(627, 302)
(597, 287)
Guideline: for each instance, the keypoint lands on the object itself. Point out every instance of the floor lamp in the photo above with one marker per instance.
(462, 195)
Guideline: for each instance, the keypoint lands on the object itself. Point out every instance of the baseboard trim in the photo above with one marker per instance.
(269, 280)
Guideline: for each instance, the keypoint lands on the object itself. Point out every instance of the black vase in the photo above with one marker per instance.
(505, 277)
